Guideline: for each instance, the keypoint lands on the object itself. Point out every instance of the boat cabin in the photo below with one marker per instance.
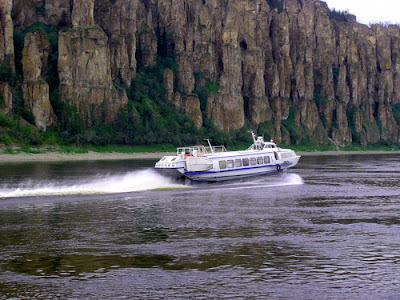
(260, 144)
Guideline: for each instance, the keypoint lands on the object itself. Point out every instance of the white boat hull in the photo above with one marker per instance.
(229, 174)
(215, 174)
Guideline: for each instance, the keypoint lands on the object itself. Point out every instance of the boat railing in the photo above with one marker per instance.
(216, 149)
(199, 150)
(191, 151)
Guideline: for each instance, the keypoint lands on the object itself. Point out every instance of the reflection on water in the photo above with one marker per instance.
(319, 231)
(83, 265)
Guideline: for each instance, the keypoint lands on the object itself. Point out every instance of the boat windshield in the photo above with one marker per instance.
(261, 146)
(256, 146)
(270, 145)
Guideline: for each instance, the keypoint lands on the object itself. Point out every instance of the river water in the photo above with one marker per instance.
(327, 229)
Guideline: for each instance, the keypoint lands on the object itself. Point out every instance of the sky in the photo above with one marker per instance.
(369, 11)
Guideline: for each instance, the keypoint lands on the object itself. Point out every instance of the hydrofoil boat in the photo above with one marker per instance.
(214, 163)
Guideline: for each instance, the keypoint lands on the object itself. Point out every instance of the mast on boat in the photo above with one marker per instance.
(209, 144)
(253, 135)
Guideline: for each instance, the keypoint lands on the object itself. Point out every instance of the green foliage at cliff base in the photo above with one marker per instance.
(13, 132)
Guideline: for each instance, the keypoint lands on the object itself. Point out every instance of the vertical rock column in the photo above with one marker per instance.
(118, 20)
(85, 70)
(6, 97)
(226, 108)
(385, 61)
(189, 104)
(6, 35)
(35, 89)
(6, 53)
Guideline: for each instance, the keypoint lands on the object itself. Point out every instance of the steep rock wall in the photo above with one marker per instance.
(334, 76)
(189, 104)
(6, 96)
(118, 20)
(35, 89)
(85, 75)
(294, 67)
(6, 35)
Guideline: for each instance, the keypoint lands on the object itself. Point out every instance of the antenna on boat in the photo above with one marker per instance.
(209, 144)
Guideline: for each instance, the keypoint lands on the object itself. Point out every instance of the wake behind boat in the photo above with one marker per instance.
(214, 163)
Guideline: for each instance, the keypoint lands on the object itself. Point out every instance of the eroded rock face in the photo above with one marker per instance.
(82, 13)
(35, 55)
(25, 12)
(169, 84)
(6, 96)
(53, 12)
(35, 90)
(6, 35)
(119, 21)
(37, 100)
(259, 110)
(58, 12)
(85, 75)
(332, 77)
(189, 104)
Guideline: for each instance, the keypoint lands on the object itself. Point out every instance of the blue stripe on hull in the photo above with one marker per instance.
(227, 174)
(234, 170)
(229, 177)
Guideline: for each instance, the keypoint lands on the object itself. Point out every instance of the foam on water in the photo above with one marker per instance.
(107, 184)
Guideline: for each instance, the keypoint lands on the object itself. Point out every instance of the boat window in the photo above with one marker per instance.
(238, 163)
(286, 155)
(259, 160)
(229, 163)
(253, 161)
(164, 158)
(245, 162)
(173, 159)
(222, 164)
(267, 160)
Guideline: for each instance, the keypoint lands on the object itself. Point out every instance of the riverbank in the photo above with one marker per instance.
(58, 156)
(326, 153)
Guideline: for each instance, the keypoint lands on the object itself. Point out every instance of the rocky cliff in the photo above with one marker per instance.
(291, 67)
(35, 89)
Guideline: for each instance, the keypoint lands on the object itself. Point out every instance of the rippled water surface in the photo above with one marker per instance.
(328, 229)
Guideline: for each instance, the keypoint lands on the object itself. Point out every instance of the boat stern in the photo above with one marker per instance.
(171, 166)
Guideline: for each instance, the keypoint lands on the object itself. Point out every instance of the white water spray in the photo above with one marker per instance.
(107, 184)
